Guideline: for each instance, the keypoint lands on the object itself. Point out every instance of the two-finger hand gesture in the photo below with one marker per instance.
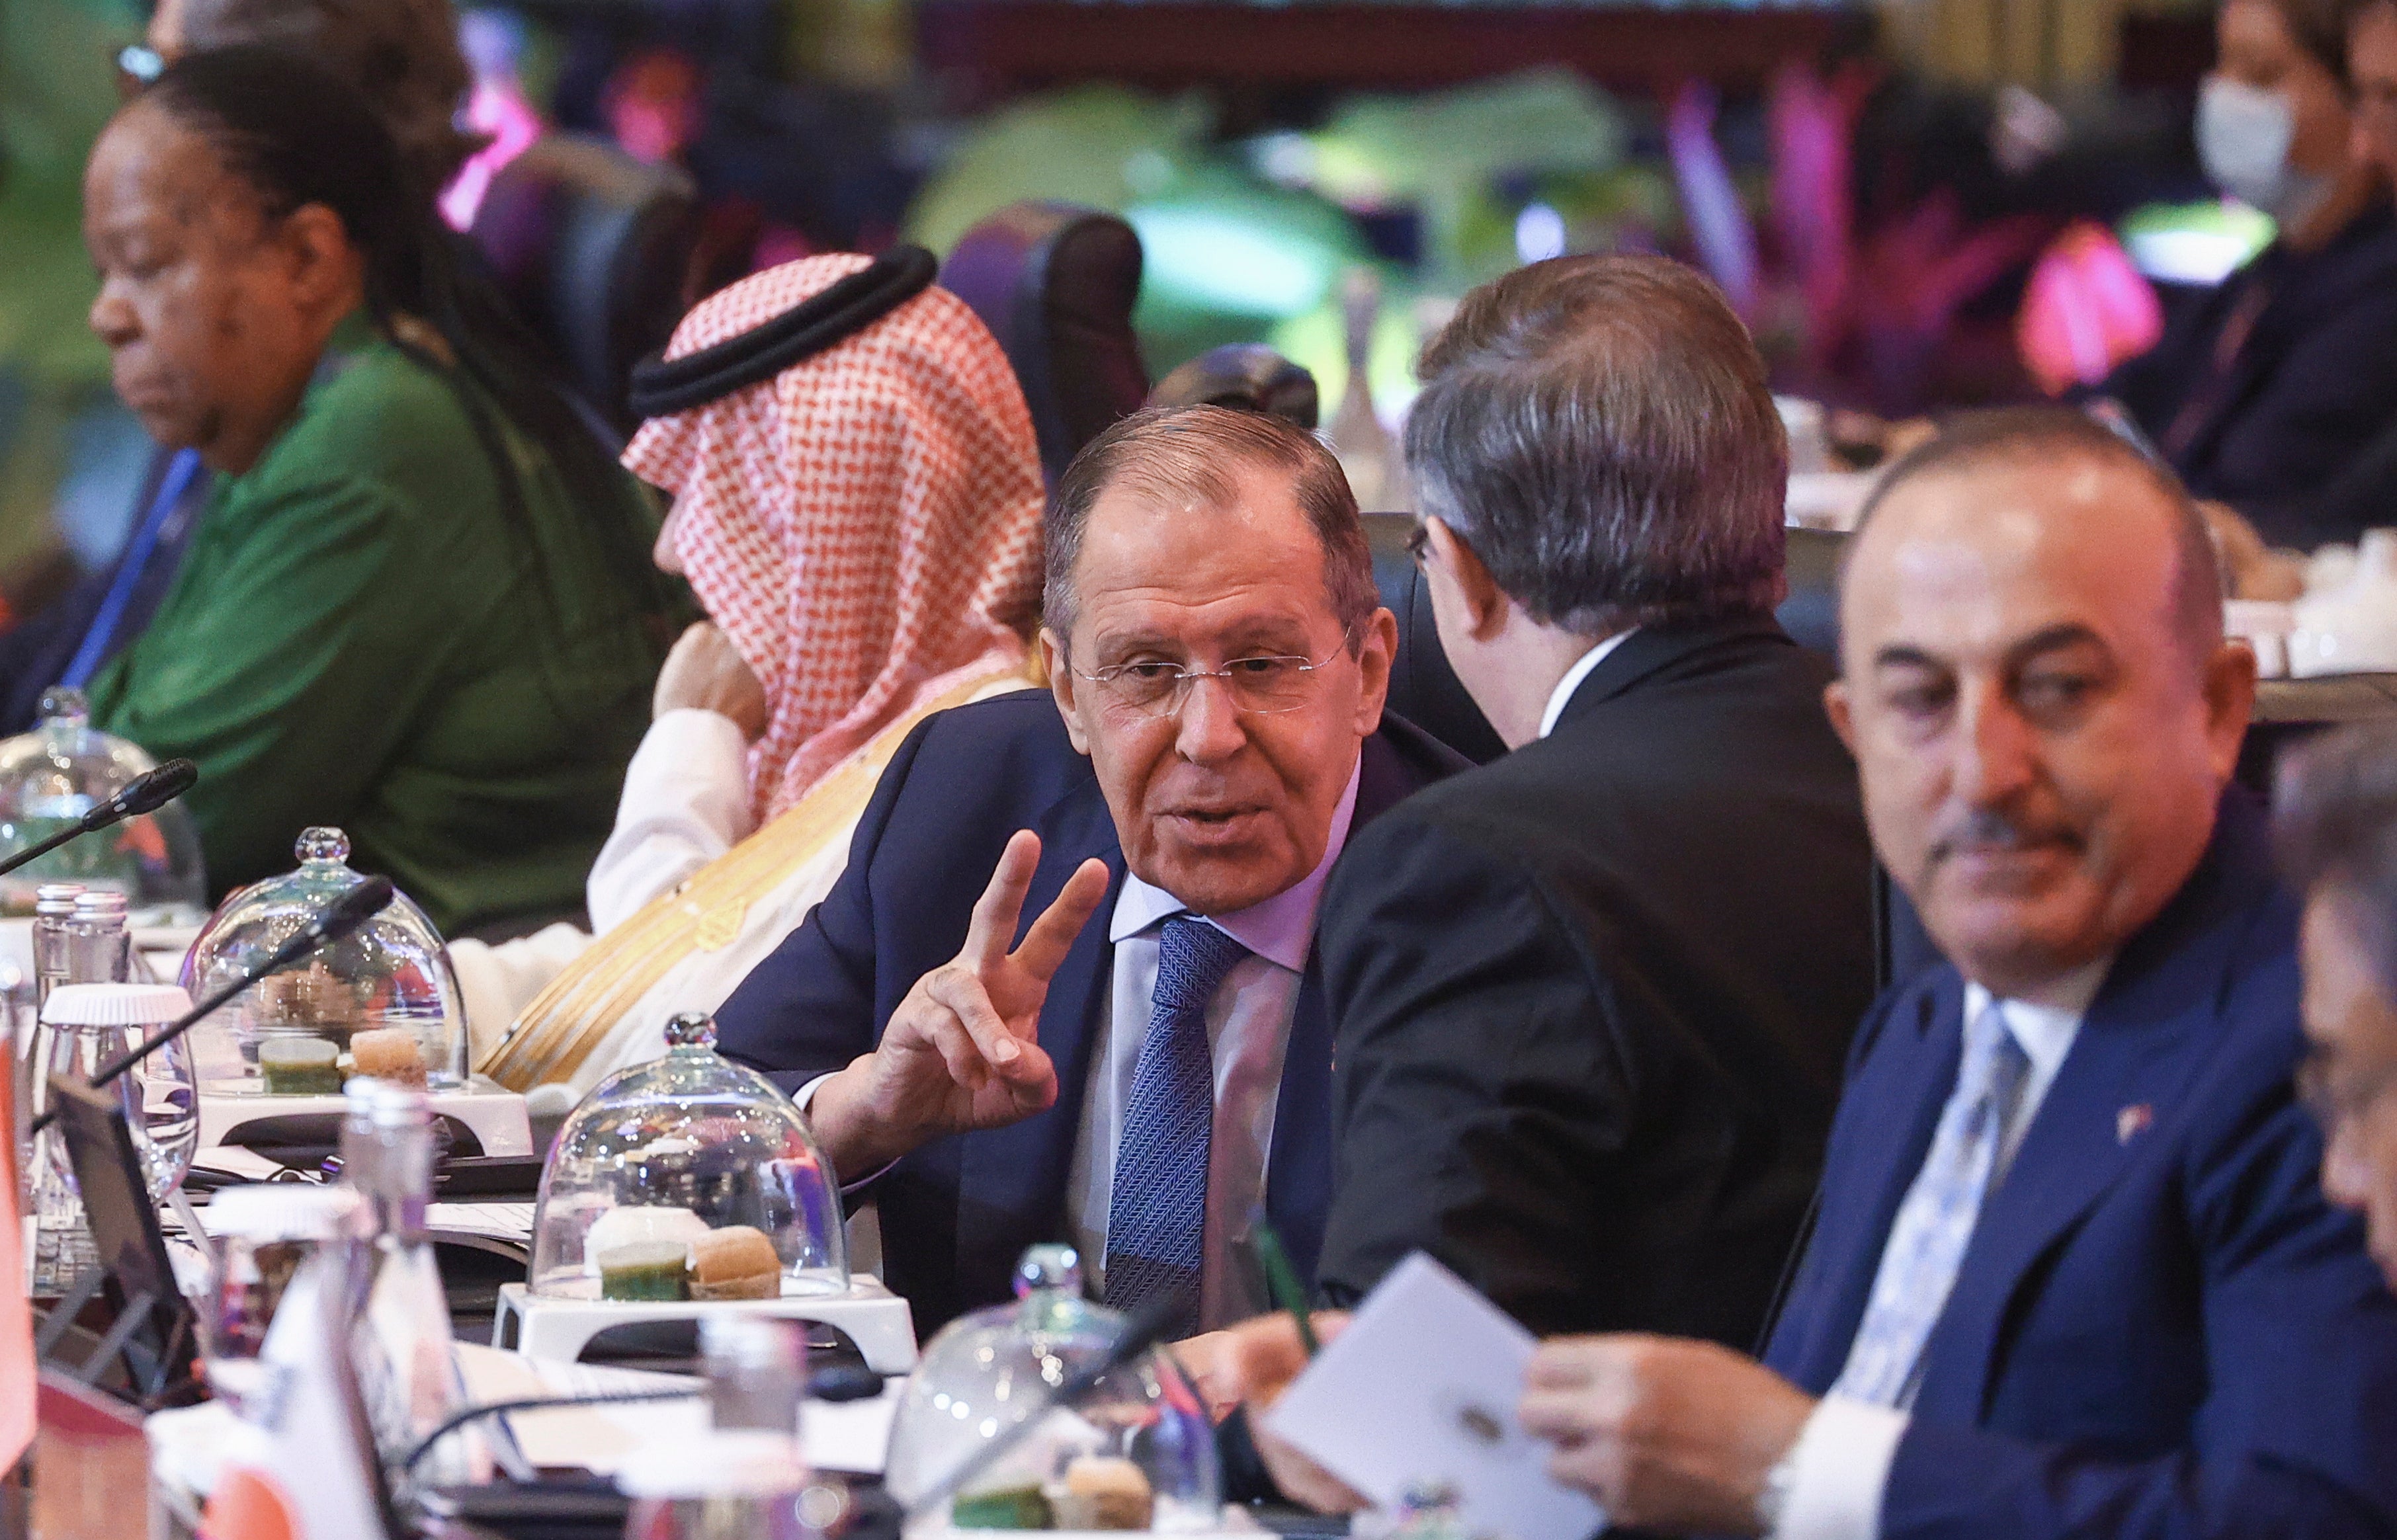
(963, 1051)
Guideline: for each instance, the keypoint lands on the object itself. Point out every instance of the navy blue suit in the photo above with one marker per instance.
(2161, 1329)
(956, 1214)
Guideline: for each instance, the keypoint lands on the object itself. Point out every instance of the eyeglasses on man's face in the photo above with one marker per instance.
(1260, 686)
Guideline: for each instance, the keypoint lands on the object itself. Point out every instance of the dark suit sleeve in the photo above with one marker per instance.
(2361, 496)
(809, 1007)
(2328, 399)
(2296, 1435)
(1476, 1087)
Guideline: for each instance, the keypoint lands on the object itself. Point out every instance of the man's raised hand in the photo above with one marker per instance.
(963, 1049)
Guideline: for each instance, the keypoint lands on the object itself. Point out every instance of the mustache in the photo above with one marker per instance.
(1995, 830)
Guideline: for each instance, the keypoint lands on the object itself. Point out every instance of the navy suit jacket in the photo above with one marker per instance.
(2161, 1328)
(957, 1213)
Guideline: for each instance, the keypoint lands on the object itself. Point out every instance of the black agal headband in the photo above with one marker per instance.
(661, 386)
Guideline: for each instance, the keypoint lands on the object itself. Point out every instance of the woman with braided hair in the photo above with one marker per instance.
(418, 603)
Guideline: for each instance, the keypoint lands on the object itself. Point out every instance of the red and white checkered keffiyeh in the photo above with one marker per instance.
(865, 526)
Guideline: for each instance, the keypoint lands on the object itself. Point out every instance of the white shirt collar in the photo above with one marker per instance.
(2046, 1030)
(1280, 929)
(1563, 693)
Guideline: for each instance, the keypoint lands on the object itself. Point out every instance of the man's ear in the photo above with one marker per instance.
(2229, 704)
(1377, 648)
(1063, 682)
(1448, 558)
(1837, 707)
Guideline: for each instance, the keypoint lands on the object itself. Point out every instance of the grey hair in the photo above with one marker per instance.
(2334, 822)
(1599, 429)
(1187, 452)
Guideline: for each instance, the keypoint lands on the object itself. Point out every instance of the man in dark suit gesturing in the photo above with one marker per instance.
(2072, 1274)
(1138, 1084)
(1593, 998)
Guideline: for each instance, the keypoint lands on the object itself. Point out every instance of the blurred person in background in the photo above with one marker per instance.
(402, 58)
(2360, 493)
(2262, 395)
(774, 721)
(2268, 397)
(2372, 81)
(418, 604)
(2336, 808)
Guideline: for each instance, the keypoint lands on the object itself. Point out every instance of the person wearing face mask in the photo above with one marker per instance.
(2360, 492)
(2267, 392)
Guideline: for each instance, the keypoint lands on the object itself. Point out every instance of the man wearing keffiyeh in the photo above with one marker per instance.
(863, 527)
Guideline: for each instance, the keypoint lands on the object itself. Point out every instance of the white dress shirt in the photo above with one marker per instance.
(1247, 1028)
(1562, 695)
(686, 802)
(1839, 1466)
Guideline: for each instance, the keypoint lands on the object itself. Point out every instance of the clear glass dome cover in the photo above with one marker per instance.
(688, 1178)
(59, 772)
(1136, 1452)
(381, 1001)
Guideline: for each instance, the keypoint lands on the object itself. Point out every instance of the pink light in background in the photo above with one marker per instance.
(2086, 310)
(498, 108)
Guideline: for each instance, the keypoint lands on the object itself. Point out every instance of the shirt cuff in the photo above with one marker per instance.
(1838, 1469)
(686, 801)
(807, 1093)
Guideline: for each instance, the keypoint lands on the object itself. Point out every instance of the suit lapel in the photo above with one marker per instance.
(2142, 1041)
(1011, 1184)
(1298, 1167)
(1913, 1069)
(2124, 1057)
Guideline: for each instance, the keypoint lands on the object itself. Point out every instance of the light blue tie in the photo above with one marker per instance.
(1935, 1223)
(1157, 1216)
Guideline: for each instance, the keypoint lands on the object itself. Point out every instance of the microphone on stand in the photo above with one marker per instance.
(356, 906)
(145, 793)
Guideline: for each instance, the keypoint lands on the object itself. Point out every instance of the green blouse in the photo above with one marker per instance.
(356, 638)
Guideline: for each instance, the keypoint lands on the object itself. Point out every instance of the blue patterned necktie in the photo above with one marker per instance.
(1157, 1216)
(1934, 1224)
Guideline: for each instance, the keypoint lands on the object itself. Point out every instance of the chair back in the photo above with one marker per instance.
(1055, 284)
(594, 249)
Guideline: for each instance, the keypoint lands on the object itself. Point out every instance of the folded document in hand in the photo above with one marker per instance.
(1419, 1393)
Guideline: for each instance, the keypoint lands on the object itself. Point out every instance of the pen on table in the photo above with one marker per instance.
(1281, 1282)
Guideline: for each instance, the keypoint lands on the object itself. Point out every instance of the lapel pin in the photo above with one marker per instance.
(2132, 1121)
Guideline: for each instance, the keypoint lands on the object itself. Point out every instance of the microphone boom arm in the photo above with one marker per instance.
(357, 904)
(145, 793)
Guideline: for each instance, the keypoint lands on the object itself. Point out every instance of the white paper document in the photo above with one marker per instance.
(1421, 1390)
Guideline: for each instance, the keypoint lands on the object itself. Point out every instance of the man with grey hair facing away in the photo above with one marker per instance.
(1593, 999)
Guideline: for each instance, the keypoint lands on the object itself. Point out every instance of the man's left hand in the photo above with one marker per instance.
(1667, 1433)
